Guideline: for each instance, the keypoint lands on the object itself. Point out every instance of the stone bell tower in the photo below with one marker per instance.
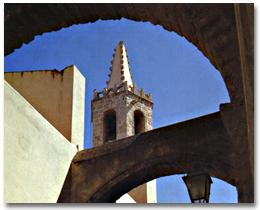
(120, 110)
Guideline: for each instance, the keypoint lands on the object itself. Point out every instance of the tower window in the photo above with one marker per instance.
(139, 122)
(109, 125)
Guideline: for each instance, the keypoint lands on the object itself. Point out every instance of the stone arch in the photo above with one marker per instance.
(139, 122)
(109, 125)
(178, 17)
(201, 24)
(223, 33)
(141, 174)
(128, 163)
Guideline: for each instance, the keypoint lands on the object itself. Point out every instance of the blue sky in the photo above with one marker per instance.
(182, 81)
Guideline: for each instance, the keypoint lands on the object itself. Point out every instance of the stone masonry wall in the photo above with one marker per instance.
(134, 103)
(124, 104)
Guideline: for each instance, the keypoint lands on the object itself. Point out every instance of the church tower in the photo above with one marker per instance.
(120, 110)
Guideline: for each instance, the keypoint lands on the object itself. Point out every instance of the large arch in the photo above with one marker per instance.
(199, 144)
(223, 32)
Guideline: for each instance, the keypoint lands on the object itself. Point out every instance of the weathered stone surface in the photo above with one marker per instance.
(121, 104)
(105, 173)
(223, 33)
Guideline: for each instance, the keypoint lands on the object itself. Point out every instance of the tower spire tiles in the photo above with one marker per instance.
(119, 70)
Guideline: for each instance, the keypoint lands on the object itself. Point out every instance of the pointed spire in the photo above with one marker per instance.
(120, 70)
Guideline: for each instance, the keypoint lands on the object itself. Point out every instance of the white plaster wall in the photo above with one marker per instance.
(126, 198)
(151, 191)
(36, 156)
(56, 95)
(78, 109)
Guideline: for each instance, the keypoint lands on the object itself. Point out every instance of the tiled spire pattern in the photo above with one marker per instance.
(119, 70)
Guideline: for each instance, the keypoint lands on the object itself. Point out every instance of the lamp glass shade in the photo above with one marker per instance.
(198, 186)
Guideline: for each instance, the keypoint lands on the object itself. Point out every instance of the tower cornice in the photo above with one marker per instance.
(144, 97)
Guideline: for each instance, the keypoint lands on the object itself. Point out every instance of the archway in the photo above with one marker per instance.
(203, 28)
(193, 21)
(174, 152)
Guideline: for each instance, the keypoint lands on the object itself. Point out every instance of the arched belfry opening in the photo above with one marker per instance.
(139, 122)
(109, 125)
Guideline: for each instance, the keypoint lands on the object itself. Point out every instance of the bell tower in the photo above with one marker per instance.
(120, 110)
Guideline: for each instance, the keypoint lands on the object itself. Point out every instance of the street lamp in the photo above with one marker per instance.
(198, 185)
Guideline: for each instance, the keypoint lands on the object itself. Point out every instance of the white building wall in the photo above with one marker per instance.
(59, 96)
(151, 191)
(126, 198)
(36, 156)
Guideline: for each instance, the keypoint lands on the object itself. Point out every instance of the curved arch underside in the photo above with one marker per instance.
(109, 171)
(201, 24)
(223, 32)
